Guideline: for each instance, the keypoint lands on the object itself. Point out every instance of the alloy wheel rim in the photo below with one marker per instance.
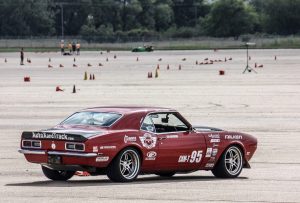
(233, 161)
(129, 164)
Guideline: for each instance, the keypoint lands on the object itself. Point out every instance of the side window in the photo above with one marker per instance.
(147, 124)
(167, 122)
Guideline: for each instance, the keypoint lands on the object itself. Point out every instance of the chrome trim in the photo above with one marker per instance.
(43, 152)
(28, 151)
(72, 154)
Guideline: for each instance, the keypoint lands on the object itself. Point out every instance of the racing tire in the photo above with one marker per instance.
(125, 167)
(57, 175)
(230, 164)
(166, 174)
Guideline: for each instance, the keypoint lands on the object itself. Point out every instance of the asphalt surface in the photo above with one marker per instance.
(266, 105)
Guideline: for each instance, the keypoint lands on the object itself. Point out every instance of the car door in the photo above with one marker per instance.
(179, 148)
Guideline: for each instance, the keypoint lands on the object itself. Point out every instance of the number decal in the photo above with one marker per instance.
(195, 157)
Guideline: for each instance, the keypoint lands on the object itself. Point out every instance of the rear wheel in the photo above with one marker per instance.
(166, 174)
(125, 167)
(57, 175)
(230, 164)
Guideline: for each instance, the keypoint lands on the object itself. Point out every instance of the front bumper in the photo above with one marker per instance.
(44, 152)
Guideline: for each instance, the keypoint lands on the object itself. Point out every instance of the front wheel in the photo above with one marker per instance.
(57, 175)
(125, 167)
(230, 164)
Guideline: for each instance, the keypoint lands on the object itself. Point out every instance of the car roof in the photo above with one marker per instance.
(129, 109)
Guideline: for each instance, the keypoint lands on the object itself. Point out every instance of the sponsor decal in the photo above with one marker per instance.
(53, 145)
(102, 159)
(233, 137)
(151, 155)
(215, 145)
(56, 136)
(208, 152)
(209, 165)
(248, 153)
(107, 147)
(212, 159)
(214, 140)
(172, 136)
(214, 136)
(148, 140)
(194, 157)
(95, 148)
(214, 152)
(129, 139)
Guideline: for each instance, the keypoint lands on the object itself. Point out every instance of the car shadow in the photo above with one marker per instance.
(106, 182)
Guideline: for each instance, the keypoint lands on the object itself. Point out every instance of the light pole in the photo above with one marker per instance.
(62, 20)
(248, 68)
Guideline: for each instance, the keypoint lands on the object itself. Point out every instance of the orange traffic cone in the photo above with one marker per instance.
(58, 89)
(74, 89)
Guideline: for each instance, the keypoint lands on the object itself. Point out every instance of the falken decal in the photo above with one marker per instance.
(233, 137)
(148, 141)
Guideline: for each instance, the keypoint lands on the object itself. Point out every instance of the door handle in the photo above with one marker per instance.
(162, 138)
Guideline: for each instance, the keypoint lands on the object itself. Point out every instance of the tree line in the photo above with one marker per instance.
(111, 19)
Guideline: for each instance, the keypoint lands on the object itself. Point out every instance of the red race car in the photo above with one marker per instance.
(123, 142)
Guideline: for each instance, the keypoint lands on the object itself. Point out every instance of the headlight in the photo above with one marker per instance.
(74, 146)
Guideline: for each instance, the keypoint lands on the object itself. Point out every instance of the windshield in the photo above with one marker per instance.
(92, 118)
